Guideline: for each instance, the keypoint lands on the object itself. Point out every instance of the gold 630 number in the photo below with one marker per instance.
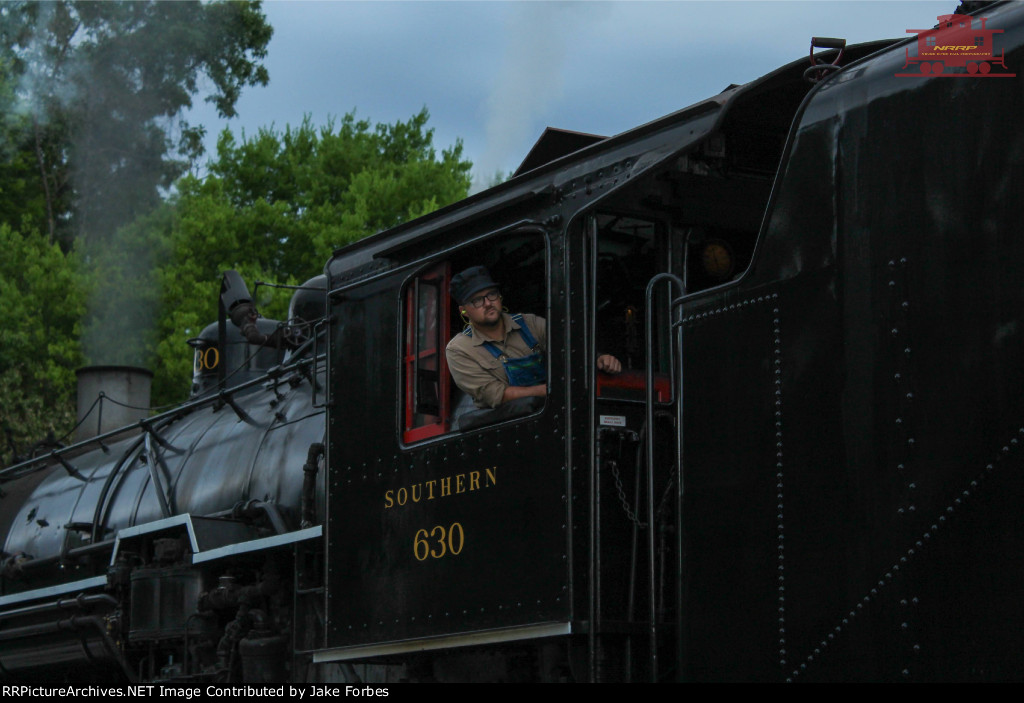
(438, 542)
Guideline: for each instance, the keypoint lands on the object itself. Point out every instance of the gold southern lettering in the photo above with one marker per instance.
(464, 483)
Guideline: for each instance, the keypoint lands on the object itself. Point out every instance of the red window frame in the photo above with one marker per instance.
(417, 359)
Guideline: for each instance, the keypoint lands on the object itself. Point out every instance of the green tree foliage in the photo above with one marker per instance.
(299, 194)
(273, 207)
(22, 200)
(39, 347)
(90, 140)
(101, 83)
(89, 94)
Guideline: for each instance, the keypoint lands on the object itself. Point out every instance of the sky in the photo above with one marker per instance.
(495, 74)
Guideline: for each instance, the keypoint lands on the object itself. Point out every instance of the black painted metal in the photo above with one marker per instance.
(398, 499)
(649, 409)
(594, 457)
(223, 463)
(82, 633)
(80, 602)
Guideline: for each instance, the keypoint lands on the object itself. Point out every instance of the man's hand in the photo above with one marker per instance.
(608, 364)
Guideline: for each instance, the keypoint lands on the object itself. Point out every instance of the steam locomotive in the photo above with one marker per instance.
(809, 469)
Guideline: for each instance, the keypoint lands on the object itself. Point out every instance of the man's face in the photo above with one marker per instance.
(488, 314)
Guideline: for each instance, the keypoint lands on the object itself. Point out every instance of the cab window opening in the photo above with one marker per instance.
(698, 217)
(708, 202)
(433, 404)
(631, 249)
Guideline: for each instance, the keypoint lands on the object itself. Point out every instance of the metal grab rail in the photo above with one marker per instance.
(675, 354)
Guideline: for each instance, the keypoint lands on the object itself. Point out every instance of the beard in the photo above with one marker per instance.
(490, 324)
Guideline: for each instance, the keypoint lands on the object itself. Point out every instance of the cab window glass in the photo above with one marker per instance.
(426, 374)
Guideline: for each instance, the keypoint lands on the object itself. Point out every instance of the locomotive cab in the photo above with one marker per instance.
(449, 495)
(433, 404)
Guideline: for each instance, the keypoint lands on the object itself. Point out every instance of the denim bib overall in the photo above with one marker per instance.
(527, 370)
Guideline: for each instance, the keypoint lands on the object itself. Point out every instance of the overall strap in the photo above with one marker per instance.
(528, 337)
(493, 349)
(489, 346)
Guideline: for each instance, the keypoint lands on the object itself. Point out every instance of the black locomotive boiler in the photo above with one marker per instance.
(810, 468)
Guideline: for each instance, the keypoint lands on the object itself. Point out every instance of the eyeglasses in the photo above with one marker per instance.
(490, 296)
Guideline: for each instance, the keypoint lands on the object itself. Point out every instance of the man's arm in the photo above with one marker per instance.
(474, 379)
(538, 325)
(513, 392)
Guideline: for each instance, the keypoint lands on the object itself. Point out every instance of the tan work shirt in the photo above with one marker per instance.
(475, 369)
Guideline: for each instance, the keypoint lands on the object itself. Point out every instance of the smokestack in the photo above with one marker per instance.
(120, 386)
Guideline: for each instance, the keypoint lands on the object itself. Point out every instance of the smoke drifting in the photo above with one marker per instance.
(104, 84)
(78, 116)
(531, 79)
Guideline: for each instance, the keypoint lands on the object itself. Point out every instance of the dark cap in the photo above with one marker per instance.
(473, 280)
